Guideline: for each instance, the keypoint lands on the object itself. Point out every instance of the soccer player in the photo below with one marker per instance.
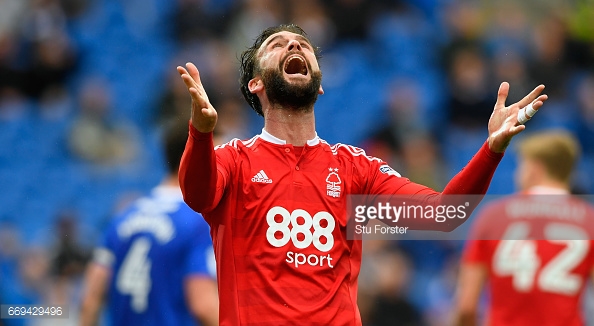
(276, 203)
(156, 263)
(537, 273)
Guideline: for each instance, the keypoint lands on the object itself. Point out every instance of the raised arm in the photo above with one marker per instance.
(198, 176)
(503, 125)
(475, 177)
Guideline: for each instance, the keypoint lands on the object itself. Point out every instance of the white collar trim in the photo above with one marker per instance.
(167, 190)
(272, 139)
(543, 190)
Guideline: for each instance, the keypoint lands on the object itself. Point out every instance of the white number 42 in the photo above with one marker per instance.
(519, 259)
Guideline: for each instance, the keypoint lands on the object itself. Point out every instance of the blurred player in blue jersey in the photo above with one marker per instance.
(155, 265)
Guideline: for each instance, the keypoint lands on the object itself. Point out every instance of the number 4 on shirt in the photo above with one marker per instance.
(134, 277)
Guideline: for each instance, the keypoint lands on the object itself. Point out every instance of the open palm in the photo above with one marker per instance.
(204, 115)
(503, 124)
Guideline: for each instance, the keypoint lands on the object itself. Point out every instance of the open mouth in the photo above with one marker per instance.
(295, 65)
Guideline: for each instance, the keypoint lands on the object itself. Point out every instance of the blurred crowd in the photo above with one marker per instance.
(86, 87)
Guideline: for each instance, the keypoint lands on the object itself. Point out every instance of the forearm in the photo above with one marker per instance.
(96, 280)
(472, 182)
(203, 300)
(466, 318)
(198, 171)
(475, 177)
(89, 314)
(468, 186)
(471, 280)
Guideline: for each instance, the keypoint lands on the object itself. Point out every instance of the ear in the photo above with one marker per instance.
(255, 85)
(321, 90)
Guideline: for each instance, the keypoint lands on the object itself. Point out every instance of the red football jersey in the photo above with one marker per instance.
(538, 276)
(278, 223)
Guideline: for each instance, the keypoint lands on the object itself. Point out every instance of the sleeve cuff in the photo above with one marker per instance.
(103, 257)
(490, 154)
(197, 135)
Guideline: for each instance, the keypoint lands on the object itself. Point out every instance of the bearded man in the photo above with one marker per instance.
(276, 203)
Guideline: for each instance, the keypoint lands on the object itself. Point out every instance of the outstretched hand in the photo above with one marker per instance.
(204, 115)
(504, 124)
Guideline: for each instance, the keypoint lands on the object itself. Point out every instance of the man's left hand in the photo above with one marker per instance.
(504, 124)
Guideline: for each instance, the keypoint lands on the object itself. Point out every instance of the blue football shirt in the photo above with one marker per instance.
(151, 248)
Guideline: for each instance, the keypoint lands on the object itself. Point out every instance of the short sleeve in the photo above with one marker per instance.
(477, 252)
(482, 238)
(104, 254)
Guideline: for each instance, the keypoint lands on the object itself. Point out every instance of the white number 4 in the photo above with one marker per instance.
(134, 276)
(519, 259)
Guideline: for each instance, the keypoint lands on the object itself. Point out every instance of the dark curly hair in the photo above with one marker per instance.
(248, 62)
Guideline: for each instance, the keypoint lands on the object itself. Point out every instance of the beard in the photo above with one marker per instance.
(289, 96)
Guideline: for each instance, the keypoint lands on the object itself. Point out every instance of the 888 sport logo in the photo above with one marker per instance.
(303, 231)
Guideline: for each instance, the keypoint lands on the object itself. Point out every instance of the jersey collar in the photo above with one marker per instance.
(167, 191)
(543, 190)
(271, 139)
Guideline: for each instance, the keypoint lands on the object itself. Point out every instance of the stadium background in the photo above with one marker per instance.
(86, 87)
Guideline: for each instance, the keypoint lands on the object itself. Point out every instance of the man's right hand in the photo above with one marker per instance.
(204, 115)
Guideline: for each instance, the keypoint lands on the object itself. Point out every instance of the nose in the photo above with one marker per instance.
(294, 45)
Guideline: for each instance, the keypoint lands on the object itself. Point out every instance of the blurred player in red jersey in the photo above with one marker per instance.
(538, 276)
(276, 203)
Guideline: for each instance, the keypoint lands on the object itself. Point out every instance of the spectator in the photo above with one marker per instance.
(96, 136)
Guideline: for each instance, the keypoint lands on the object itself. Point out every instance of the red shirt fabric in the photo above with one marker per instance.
(278, 222)
(538, 274)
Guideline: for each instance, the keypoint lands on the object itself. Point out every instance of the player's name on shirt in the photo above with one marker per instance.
(158, 225)
(546, 207)
(152, 216)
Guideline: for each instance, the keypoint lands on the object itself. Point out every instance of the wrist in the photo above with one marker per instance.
(197, 134)
(495, 148)
(496, 145)
(201, 129)
(204, 120)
